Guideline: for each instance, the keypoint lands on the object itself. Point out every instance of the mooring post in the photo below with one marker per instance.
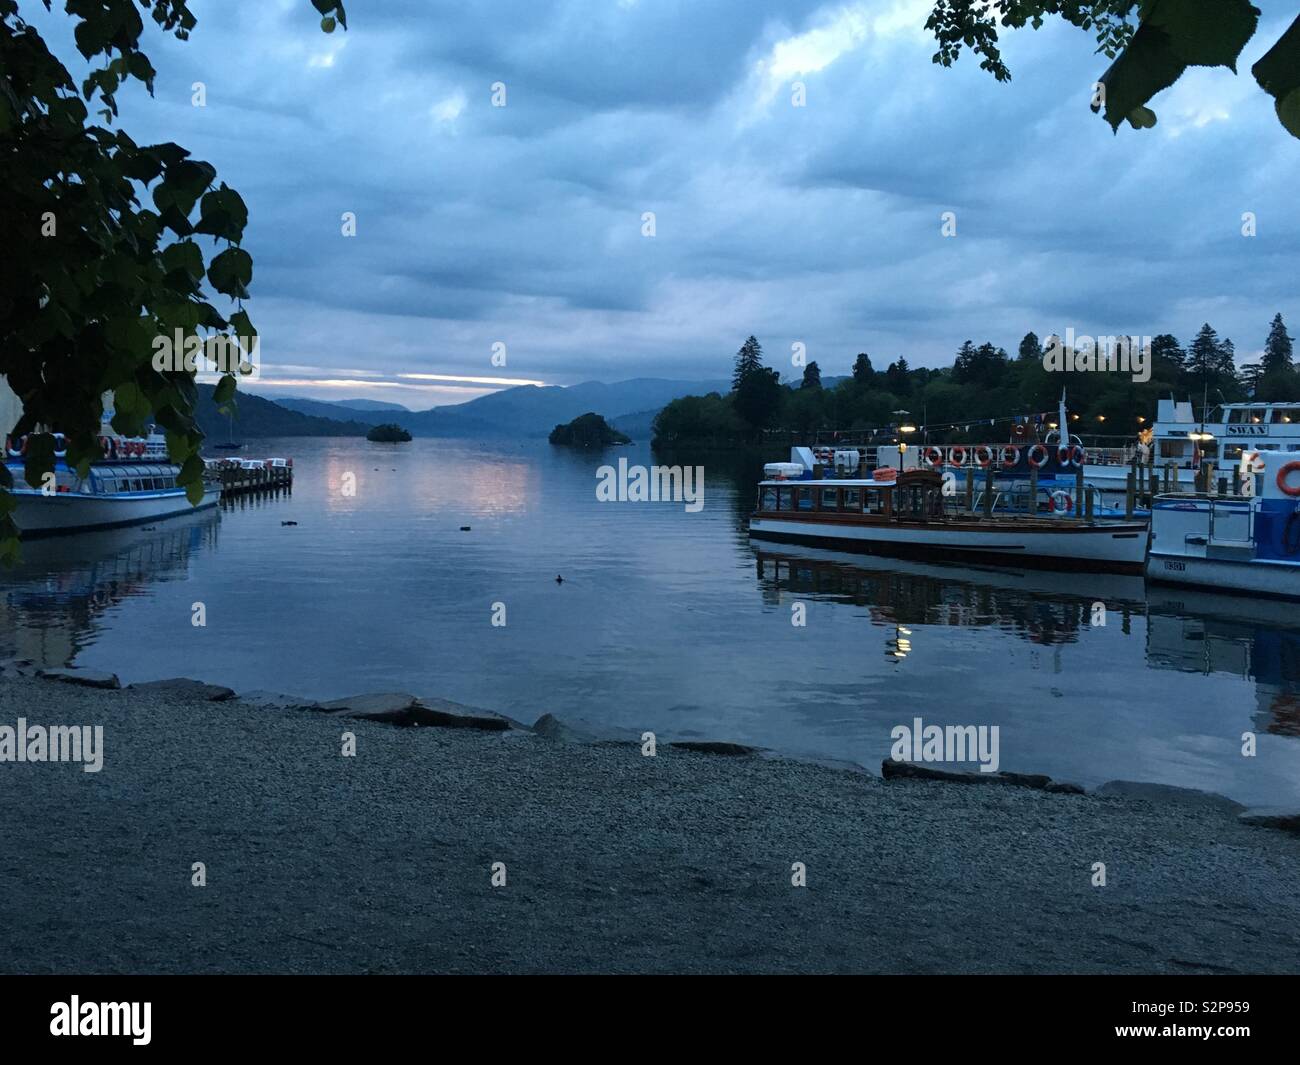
(970, 489)
(1130, 490)
(1033, 489)
(988, 490)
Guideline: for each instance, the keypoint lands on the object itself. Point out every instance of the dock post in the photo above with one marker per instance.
(1087, 507)
(1130, 490)
(970, 489)
(1079, 489)
(988, 490)
(1033, 489)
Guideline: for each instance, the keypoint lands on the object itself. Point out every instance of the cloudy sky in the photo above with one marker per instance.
(523, 225)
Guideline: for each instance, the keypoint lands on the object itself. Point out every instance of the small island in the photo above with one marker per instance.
(388, 433)
(587, 430)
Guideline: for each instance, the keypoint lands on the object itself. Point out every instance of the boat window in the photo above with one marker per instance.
(137, 485)
(830, 499)
(803, 498)
(852, 498)
(1173, 449)
(785, 499)
(1233, 451)
(1209, 449)
(1238, 416)
(873, 501)
(1286, 415)
(768, 501)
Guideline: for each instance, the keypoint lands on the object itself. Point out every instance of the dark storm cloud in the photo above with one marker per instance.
(819, 224)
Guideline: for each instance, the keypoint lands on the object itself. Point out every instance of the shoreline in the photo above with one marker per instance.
(614, 862)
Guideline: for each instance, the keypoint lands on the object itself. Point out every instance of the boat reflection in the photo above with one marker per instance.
(52, 600)
(1040, 606)
(1186, 630)
(1207, 632)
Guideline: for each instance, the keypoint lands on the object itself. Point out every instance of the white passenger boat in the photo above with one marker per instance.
(138, 485)
(1242, 543)
(912, 514)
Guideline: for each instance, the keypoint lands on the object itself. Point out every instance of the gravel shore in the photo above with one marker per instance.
(614, 862)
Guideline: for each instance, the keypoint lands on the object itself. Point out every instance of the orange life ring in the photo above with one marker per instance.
(1010, 456)
(1038, 449)
(957, 456)
(987, 456)
(932, 456)
(17, 449)
(1069, 503)
(1020, 430)
(1289, 467)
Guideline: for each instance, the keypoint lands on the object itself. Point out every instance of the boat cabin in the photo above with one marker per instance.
(915, 495)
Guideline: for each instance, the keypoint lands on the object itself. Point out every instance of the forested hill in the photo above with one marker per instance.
(257, 417)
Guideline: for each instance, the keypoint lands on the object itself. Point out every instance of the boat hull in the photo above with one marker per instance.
(1118, 548)
(1276, 580)
(38, 515)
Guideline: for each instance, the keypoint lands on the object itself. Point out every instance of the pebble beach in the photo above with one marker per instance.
(469, 843)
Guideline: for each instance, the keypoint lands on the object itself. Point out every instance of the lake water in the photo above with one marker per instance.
(666, 620)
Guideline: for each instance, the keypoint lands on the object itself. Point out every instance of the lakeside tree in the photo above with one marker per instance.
(1030, 349)
(1211, 362)
(1102, 405)
(896, 377)
(758, 399)
(1151, 43)
(90, 277)
(812, 376)
(863, 373)
(749, 360)
(1275, 375)
(1277, 348)
(1166, 352)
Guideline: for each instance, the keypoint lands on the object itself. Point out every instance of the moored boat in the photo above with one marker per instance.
(915, 514)
(1248, 543)
(134, 484)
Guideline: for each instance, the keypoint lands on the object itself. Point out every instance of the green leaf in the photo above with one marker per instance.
(327, 24)
(1174, 34)
(231, 271)
(1142, 118)
(1206, 33)
(225, 390)
(183, 256)
(1278, 74)
(223, 214)
(243, 327)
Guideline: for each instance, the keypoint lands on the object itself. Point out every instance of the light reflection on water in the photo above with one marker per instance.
(666, 620)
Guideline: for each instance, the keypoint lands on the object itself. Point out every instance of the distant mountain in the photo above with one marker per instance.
(257, 417)
(526, 410)
(307, 406)
(638, 426)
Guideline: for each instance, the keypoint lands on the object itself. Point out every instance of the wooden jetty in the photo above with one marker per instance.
(240, 477)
